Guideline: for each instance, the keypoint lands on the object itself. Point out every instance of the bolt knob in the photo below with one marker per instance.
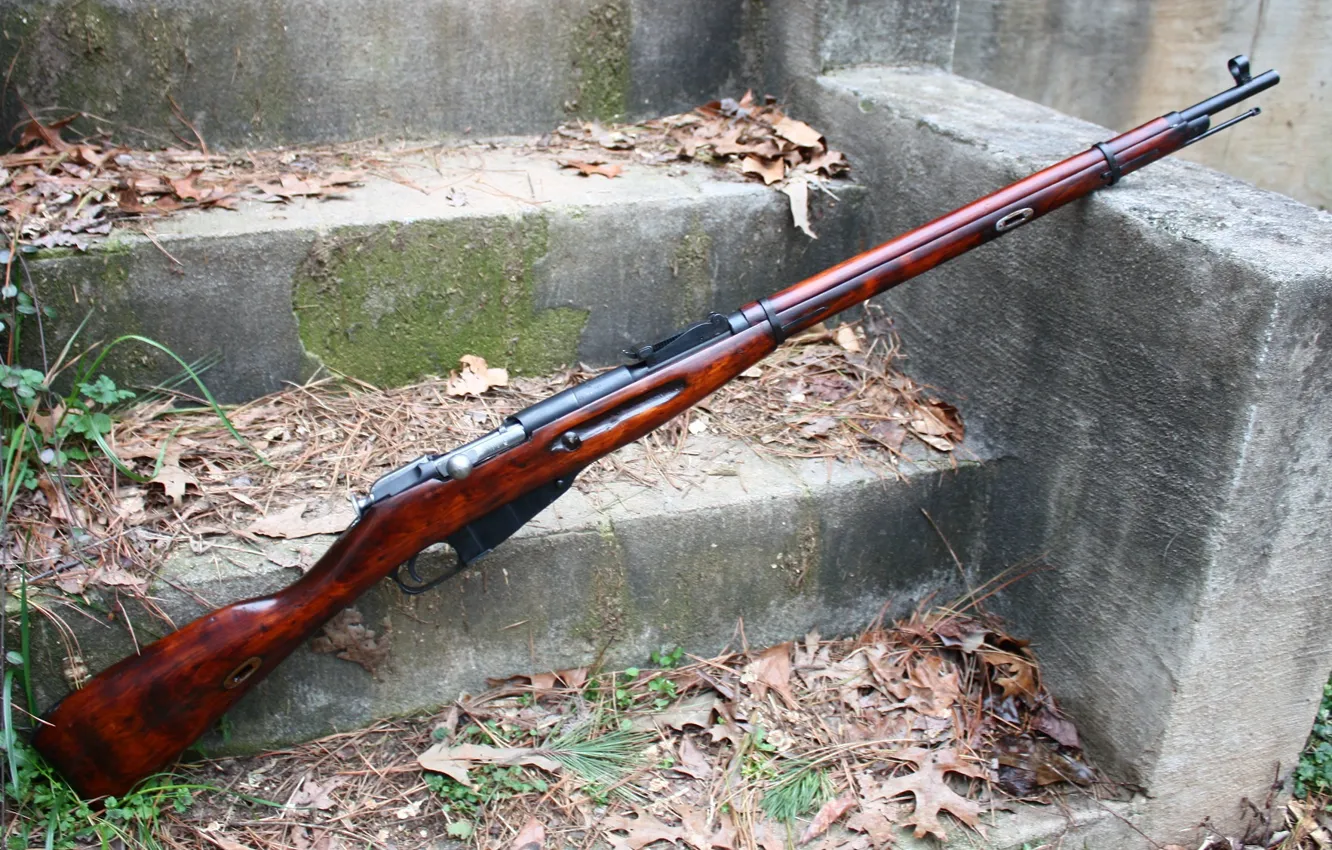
(458, 467)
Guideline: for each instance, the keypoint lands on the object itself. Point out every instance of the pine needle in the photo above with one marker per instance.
(796, 792)
(604, 762)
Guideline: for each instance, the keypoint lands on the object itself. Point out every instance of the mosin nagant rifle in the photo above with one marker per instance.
(137, 716)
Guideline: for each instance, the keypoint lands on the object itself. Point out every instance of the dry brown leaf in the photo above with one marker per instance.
(454, 761)
(315, 795)
(695, 831)
(640, 831)
(770, 170)
(116, 577)
(290, 524)
(1019, 677)
(819, 427)
(831, 163)
(352, 641)
(845, 336)
(692, 760)
(798, 132)
(772, 669)
(73, 581)
(531, 837)
(475, 377)
(935, 686)
(56, 502)
(930, 789)
(187, 188)
(797, 192)
(223, 842)
(1057, 727)
(1037, 762)
(173, 480)
(874, 820)
(827, 816)
(587, 169)
(769, 836)
(695, 711)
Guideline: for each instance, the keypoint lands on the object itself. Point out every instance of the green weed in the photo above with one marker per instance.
(1313, 774)
(667, 659)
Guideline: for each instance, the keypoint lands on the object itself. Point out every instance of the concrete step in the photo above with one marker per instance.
(255, 72)
(725, 545)
(491, 250)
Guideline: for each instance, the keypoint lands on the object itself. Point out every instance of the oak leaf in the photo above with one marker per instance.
(352, 641)
(695, 711)
(692, 761)
(640, 831)
(930, 790)
(475, 377)
(587, 169)
(770, 170)
(315, 795)
(797, 192)
(291, 523)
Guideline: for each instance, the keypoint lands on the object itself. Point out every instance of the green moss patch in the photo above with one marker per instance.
(394, 303)
(692, 268)
(601, 61)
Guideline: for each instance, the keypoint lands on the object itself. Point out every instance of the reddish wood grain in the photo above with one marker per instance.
(137, 716)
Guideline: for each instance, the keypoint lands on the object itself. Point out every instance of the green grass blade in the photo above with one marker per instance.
(25, 646)
(125, 470)
(64, 352)
(194, 376)
(11, 741)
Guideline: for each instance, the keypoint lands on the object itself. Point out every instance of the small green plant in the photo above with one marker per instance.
(756, 751)
(665, 690)
(490, 783)
(1313, 774)
(624, 697)
(79, 422)
(667, 659)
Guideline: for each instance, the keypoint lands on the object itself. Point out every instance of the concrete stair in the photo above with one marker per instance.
(1142, 374)
(399, 281)
(726, 546)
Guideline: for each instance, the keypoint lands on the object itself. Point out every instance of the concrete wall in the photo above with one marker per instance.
(1115, 62)
(1120, 62)
(1153, 360)
(249, 72)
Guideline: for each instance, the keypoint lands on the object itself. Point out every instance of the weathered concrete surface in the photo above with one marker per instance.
(1155, 357)
(622, 568)
(803, 38)
(249, 72)
(492, 252)
(1121, 62)
(1116, 62)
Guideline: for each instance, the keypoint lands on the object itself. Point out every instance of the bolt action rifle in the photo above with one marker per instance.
(137, 716)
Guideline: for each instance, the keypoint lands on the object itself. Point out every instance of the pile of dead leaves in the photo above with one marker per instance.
(832, 744)
(836, 393)
(60, 193)
(760, 141)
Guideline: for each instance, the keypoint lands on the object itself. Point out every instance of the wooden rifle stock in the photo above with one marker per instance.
(137, 716)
